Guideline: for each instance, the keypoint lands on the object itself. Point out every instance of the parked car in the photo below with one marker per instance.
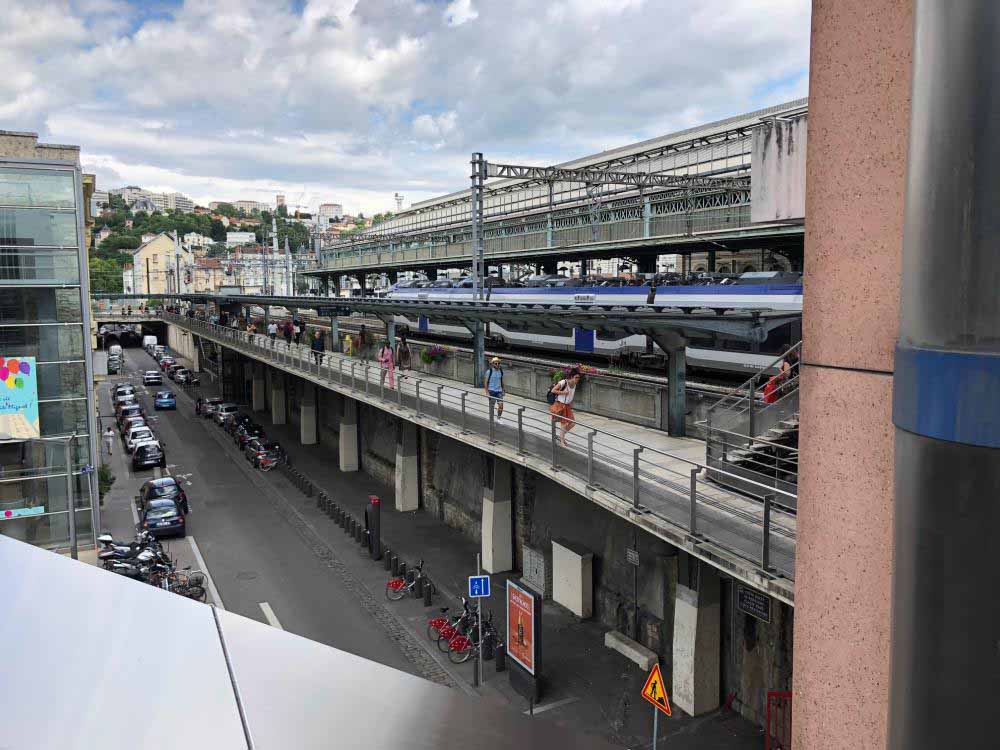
(149, 454)
(172, 370)
(208, 406)
(260, 448)
(162, 516)
(133, 409)
(128, 423)
(114, 365)
(124, 398)
(224, 412)
(164, 487)
(165, 363)
(152, 377)
(185, 377)
(136, 435)
(164, 400)
(248, 432)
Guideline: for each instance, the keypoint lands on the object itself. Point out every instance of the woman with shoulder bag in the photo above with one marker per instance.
(562, 408)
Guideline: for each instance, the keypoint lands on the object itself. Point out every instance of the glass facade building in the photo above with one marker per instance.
(45, 314)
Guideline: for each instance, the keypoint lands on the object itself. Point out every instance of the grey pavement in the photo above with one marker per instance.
(589, 687)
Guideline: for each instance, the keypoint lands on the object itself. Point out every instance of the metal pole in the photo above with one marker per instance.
(765, 547)
(418, 397)
(479, 617)
(464, 394)
(656, 725)
(635, 477)
(590, 457)
(694, 502)
(493, 424)
(520, 429)
(70, 500)
(751, 430)
(440, 406)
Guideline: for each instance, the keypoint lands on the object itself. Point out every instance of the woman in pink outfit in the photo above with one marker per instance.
(386, 362)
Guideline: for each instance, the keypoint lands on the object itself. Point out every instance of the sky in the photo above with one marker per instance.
(348, 101)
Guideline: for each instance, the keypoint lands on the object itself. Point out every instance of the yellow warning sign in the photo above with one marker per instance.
(655, 692)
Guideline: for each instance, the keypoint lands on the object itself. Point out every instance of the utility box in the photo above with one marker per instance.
(573, 577)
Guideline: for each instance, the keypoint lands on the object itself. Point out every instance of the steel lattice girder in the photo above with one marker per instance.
(604, 177)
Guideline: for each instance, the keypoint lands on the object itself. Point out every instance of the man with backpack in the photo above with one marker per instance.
(493, 385)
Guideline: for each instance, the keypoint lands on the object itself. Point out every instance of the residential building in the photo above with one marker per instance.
(45, 323)
(209, 275)
(178, 202)
(279, 200)
(224, 219)
(128, 278)
(157, 263)
(329, 213)
(133, 195)
(102, 235)
(147, 236)
(144, 203)
(240, 238)
(257, 270)
(194, 239)
(250, 206)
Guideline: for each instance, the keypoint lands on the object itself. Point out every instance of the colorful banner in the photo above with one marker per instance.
(521, 626)
(19, 398)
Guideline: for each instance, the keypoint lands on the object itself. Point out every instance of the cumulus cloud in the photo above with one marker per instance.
(344, 101)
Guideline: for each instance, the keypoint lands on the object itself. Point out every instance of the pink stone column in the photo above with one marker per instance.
(858, 122)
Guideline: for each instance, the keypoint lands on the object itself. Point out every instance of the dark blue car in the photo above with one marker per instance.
(162, 517)
(164, 400)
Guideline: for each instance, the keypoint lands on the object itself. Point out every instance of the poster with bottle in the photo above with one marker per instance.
(521, 626)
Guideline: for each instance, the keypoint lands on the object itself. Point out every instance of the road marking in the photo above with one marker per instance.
(214, 592)
(272, 619)
(554, 704)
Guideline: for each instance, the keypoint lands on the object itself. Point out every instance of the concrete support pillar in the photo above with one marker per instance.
(278, 405)
(307, 416)
(497, 530)
(349, 435)
(258, 395)
(697, 638)
(677, 392)
(195, 355)
(478, 353)
(647, 264)
(334, 334)
(407, 468)
(363, 284)
(549, 266)
(584, 269)
(390, 332)
(711, 260)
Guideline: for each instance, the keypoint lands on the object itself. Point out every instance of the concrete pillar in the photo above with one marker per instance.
(334, 334)
(349, 435)
(307, 416)
(677, 391)
(258, 396)
(859, 110)
(497, 530)
(549, 266)
(407, 468)
(647, 264)
(711, 259)
(278, 405)
(697, 638)
(478, 332)
(195, 355)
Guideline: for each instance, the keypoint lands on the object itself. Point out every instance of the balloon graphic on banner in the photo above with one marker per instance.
(19, 397)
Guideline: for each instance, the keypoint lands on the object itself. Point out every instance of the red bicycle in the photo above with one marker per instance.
(397, 588)
(462, 647)
(443, 629)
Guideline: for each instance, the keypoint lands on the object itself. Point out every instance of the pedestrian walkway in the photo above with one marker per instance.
(589, 687)
(655, 480)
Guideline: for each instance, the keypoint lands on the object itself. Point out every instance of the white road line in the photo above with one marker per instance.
(135, 513)
(272, 619)
(554, 704)
(214, 592)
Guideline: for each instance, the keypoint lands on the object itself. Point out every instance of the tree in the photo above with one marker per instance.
(228, 210)
(105, 275)
(282, 211)
(119, 241)
(217, 231)
(217, 249)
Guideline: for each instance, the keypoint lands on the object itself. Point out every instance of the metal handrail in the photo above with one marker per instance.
(546, 414)
(756, 439)
(745, 385)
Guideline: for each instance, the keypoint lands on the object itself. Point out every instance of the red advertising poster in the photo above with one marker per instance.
(521, 626)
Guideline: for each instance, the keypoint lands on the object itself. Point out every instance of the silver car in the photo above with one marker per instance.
(224, 412)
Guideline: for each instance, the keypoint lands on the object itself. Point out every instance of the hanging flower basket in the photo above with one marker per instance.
(563, 372)
(434, 354)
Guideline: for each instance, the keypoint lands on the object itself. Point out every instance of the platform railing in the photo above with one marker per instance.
(668, 486)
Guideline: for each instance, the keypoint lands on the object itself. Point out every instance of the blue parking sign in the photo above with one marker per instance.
(479, 587)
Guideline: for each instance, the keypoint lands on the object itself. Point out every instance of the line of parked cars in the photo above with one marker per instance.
(169, 367)
(137, 436)
(249, 436)
(163, 506)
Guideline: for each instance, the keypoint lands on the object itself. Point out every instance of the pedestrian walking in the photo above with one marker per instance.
(362, 343)
(272, 331)
(562, 406)
(297, 330)
(287, 331)
(402, 352)
(493, 385)
(317, 346)
(386, 362)
(109, 440)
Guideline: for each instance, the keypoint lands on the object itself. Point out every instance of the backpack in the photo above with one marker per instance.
(551, 396)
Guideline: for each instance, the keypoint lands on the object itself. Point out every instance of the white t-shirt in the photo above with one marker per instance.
(566, 397)
(272, 328)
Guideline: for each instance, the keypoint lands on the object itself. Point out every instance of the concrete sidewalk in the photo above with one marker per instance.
(588, 687)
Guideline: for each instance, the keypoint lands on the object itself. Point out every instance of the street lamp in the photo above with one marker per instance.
(70, 500)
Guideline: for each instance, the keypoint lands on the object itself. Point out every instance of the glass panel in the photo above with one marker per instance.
(37, 187)
(45, 496)
(33, 227)
(40, 305)
(45, 266)
(47, 343)
(63, 417)
(62, 381)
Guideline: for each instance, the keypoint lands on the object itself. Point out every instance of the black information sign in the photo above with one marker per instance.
(632, 556)
(754, 603)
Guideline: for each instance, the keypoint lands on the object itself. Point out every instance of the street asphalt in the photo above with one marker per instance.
(259, 565)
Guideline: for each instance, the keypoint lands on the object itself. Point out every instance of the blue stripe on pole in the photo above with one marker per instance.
(948, 395)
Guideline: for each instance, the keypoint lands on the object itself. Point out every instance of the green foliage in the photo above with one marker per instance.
(228, 210)
(217, 231)
(105, 274)
(282, 212)
(105, 480)
(379, 218)
(216, 249)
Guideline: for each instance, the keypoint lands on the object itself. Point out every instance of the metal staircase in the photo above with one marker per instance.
(753, 432)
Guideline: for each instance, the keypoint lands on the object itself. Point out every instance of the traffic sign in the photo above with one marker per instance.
(479, 587)
(655, 692)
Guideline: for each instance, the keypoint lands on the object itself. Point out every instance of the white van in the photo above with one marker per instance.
(114, 350)
(148, 342)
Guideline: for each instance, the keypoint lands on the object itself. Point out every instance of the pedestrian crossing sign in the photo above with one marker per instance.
(655, 692)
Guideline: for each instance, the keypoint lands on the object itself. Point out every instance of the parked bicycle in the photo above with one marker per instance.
(444, 627)
(462, 625)
(461, 648)
(397, 588)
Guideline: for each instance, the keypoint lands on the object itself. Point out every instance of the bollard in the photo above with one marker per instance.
(500, 655)
(428, 592)
(418, 589)
(388, 559)
(395, 566)
(410, 576)
(362, 537)
(351, 524)
(320, 501)
(402, 569)
(373, 520)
